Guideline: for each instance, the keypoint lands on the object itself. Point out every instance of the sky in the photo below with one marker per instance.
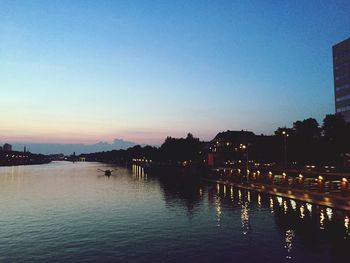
(89, 71)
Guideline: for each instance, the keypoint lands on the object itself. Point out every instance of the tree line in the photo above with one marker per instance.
(307, 142)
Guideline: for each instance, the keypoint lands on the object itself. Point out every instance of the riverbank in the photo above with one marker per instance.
(22, 164)
(14, 158)
(324, 199)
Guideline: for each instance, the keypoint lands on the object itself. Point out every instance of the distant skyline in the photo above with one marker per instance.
(90, 71)
(68, 149)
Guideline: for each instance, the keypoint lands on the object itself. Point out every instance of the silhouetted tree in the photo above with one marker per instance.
(302, 144)
(334, 127)
(337, 136)
(308, 128)
(179, 149)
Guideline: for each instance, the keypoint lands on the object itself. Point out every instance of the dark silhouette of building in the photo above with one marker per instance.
(225, 147)
(7, 147)
(341, 73)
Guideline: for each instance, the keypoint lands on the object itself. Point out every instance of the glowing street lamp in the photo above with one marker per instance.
(344, 185)
(320, 183)
(245, 147)
(285, 135)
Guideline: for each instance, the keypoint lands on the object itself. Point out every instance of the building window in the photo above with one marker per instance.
(342, 98)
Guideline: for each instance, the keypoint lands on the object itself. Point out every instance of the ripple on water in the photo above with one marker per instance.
(69, 212)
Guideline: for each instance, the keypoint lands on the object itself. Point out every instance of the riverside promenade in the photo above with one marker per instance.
(334, 195)
(333, 200)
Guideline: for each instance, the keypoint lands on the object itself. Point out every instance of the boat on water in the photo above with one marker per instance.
(106, 172)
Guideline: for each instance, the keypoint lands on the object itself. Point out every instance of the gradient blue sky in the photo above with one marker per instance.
(85, 71)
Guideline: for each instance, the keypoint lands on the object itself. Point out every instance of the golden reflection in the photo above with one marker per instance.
(346, 222)
(224, 190)
(245, 218)
(259, 199)
(134, 170)
(293, 204)
(248, 196)
(285, 207)
(302, 210)
(289, 236)
(218, 210)
(239, 195)
(218, 188)
(329, 213)
(138, 173)
(271, 204)
(322, 218)
(231, 191)
(279, 200)
(309, 207)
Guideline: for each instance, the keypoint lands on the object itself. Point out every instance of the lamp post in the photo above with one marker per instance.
(245, 147)
(285, 135)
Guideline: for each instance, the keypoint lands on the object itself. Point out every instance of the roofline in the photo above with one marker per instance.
(342, 42)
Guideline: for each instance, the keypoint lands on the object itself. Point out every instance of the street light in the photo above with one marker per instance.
(245, 147)
(285, 135)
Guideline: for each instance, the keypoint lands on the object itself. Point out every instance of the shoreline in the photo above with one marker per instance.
(23, 164)
(323, 199)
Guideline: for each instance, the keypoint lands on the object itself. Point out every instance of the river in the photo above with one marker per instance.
(71, 212)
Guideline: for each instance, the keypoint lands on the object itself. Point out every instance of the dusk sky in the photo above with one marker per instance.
(89, 71)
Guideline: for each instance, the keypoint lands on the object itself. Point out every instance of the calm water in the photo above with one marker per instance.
(66, 212)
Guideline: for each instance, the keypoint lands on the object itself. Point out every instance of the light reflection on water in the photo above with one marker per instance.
(346, 225)
(322, 219)
(245, 218)
(218, 210)
(77, 214)
(302, 211)
(289, 236)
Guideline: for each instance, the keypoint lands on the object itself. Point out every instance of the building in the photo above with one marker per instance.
(341, 74)
(7, 147)
(224, 148)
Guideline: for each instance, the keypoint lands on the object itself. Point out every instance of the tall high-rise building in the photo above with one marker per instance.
(341, 73)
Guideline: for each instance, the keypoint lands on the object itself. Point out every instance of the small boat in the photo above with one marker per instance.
(107, 172)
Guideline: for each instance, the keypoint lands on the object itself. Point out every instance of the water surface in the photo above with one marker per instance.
(65, 212)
